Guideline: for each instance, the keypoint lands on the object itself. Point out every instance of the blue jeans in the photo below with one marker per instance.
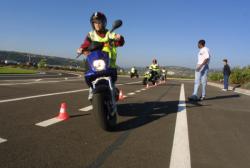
(201, 77)
(226, 77)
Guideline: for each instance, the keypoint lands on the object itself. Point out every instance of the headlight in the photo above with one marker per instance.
(99, 65)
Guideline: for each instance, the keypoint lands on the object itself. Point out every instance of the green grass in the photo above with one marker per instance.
(11, 70)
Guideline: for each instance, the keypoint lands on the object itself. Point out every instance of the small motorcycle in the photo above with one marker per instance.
(134, 73)
(150, 76)
(163, 76)
(100, 77)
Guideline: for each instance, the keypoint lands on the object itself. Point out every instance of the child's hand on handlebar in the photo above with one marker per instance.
(86, 53)
(80, 51)
(117, 37)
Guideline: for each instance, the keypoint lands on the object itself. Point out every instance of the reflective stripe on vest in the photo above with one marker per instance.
(111, 50)
(154, 67)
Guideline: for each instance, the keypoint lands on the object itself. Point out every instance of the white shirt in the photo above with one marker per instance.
(202, 55)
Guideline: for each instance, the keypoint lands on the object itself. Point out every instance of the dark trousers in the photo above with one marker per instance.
(226, 77)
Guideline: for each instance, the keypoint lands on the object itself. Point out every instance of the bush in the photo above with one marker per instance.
(240, 75)
(215, 76)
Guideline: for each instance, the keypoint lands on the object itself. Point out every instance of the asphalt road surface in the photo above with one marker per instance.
(156, 127)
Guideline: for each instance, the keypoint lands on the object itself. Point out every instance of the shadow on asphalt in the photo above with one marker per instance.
(223, 97)
(78, 115)
(200, 103)
(195, 103)
(144, 113)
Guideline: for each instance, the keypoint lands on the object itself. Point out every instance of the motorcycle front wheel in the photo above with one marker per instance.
(145, 81)
(101, 110)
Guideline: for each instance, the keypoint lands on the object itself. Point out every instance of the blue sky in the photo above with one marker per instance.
(164, 29)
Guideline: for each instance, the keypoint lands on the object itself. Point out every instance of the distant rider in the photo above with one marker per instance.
(154, 67)
(132, 70)
(163, 73)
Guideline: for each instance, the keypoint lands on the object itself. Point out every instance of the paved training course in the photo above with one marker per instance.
(157, 127)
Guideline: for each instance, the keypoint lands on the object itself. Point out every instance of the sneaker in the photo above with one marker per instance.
(202, 98)
(90, 97)
(224, 90)
(193, 98)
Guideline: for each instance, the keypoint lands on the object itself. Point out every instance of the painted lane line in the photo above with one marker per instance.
(130, 83)
(180, 156)
(51, 94)
(42, 95)
(138, 91)
(86, 108)
(2, 140)
(143, 89)
(132, 93)
(56, 120)
(48, 122)
(37, 82)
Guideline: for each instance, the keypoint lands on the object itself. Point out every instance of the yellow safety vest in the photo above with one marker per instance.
(110, 49)
(154, 67)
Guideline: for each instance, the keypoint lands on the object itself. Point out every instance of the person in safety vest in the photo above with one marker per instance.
(154, 67)
(163, 74)
(133, 72)
(101, 34)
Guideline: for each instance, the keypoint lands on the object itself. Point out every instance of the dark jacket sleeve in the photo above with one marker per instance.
(86, 43)
(120, 42)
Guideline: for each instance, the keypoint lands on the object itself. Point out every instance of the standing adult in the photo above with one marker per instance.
(226, 74)
(201, 71)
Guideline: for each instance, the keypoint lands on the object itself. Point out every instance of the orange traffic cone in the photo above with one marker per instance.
(121, 96)
(63, 115)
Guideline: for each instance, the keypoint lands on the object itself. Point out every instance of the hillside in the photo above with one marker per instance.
(23, 58)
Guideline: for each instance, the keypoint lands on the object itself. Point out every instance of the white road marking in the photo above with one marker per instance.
(180, 157)
(143, 89)
(48, 122)
(37, 82)
(42, 95)
(138, 91)
(2, 140)
(52, 94)
(56, 120)
(86, 108)
(128, 83)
